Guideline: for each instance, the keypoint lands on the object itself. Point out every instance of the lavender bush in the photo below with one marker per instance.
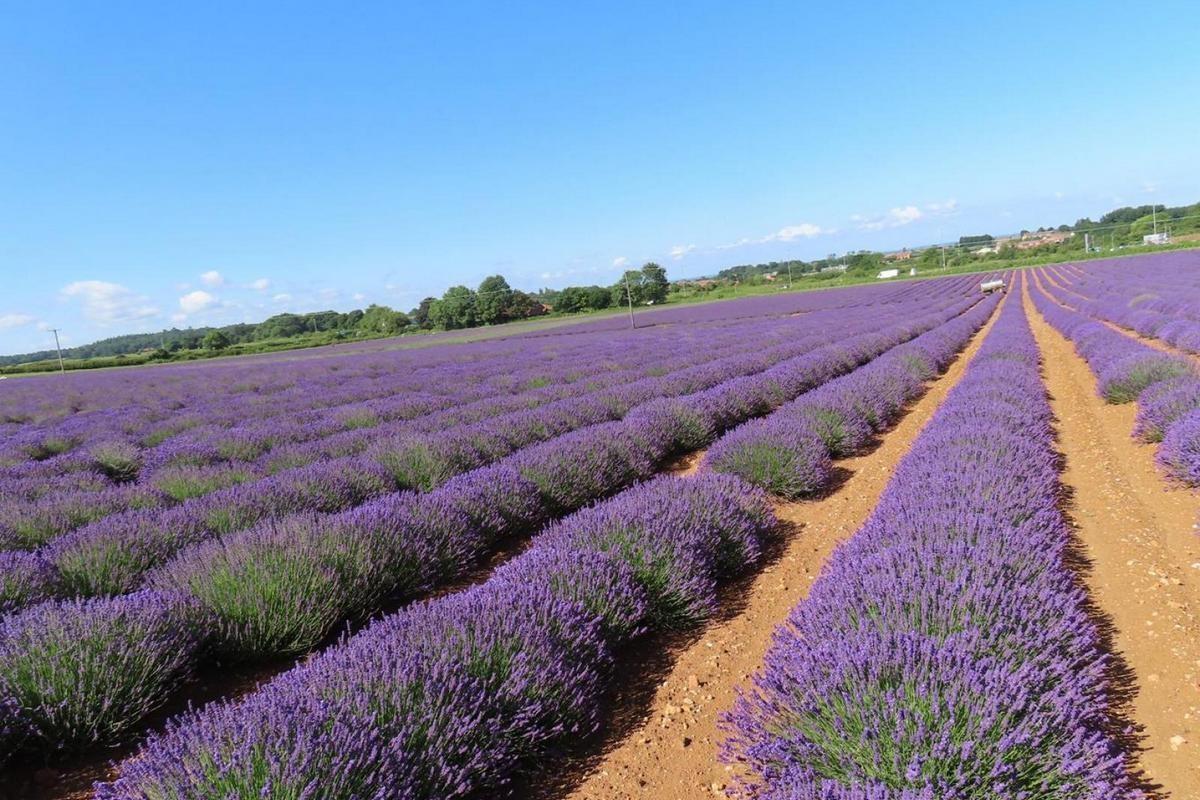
(453, 697)
(945, 650)
(81, 673)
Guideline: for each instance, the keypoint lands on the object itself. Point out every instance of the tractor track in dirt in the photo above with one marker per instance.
(1137, 534)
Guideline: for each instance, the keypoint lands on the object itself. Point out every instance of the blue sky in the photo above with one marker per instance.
(208, 163)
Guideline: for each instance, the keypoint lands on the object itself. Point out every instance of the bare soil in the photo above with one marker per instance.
(1138, 534)
(665, 742)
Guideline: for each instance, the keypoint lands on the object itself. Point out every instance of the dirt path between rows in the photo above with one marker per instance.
(1149, 341)
(1138, 533)
(671, 751)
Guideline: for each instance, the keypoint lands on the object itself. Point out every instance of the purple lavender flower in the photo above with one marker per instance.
(83, 673)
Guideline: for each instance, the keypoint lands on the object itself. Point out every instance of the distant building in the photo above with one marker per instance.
(1038, 238)
(888, 273)
(1157, 238)
(899, 255)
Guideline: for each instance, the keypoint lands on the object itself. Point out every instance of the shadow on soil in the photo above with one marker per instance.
(640, 670)
(1122, 683)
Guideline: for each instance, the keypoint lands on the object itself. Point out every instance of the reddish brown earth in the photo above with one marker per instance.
(1139, 535)
(669, 750)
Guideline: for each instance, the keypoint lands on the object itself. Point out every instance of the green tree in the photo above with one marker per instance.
(280, 326)
(654, 283)
(455, 310)
(493, 300)
(420, 314)
(215, 340)
(571, 299)
(522, 306)
(381, 319)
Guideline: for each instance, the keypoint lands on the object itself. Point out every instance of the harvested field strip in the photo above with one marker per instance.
(1138, 534)
(668, 749)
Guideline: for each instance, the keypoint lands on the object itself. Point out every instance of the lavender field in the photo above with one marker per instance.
(433, 572)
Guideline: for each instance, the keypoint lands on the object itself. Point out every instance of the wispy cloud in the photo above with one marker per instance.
(15, 320)
(620, 262)
(681, 250)
(259, 285)
(282, 297)
(212, 279)
(904, 215)
(894, 218)
(107, 303)
(790, 233)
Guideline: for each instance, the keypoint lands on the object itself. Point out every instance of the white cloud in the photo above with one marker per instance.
(805, 230)
(359, 297)
(894, 218)
(681, 250)
(106, 303)
(261, 284)
(282, 297)
(194, 302)
(788, 233)
(620, 262)
(14, 320)
(212, 279)
(1059, 195)
(904, 215)
(328, 294)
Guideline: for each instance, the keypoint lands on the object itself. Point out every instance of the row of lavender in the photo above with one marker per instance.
(447, 698)
(453, 394)
(1166, 387)
(202, 471)
(788, 452)
(191, 468)
(402, 711)
(280, 588)
(112, 555)
(1156, 296)
(945, 651)
(254, 386)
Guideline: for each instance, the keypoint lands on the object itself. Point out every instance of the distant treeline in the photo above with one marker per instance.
(494, 302)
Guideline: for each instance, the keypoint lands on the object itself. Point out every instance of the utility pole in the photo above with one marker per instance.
(789, 274)
(629, 297)
(57, 347)
(1154, 217)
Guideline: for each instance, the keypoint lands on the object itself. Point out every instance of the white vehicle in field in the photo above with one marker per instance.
(992, 285)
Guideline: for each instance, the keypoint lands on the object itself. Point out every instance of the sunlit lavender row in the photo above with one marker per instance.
(946, 649)
(270, 568)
